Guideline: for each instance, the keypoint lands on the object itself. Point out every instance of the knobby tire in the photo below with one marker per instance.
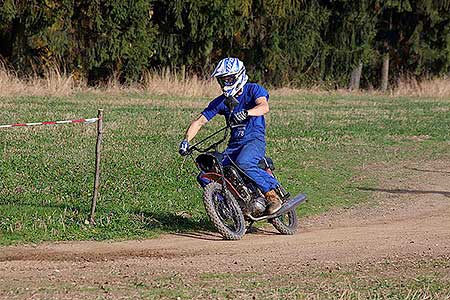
(237, 230)
(286, 224)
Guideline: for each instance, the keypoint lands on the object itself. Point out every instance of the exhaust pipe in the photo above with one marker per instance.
(287, 206)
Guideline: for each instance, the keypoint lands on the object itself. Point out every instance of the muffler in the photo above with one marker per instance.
(287, 206)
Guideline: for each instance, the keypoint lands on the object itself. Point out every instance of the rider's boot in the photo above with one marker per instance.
(274, 202)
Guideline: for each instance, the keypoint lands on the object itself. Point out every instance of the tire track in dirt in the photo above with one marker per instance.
(428, 234)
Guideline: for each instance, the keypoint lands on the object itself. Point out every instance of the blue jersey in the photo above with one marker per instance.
(252, 127)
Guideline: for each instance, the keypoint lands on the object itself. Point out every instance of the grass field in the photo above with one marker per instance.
(320, 144)
(373, 281)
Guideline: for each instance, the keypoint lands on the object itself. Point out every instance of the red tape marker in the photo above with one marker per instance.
(92, 120)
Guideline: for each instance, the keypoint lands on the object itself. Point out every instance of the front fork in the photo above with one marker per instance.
(284, 195)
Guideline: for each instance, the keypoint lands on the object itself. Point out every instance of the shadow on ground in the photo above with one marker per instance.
(175, 222)
(404, 191)
(164, 221)
(428, 171)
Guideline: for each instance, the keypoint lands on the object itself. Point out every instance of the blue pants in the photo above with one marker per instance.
(247, 156)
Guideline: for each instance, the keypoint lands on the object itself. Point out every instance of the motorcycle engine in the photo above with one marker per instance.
(259, 206)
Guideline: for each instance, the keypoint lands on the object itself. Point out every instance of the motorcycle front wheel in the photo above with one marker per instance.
(224, 211)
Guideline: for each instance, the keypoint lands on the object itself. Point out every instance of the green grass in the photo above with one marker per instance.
(399, 278)
(417, 279)
(319, 144)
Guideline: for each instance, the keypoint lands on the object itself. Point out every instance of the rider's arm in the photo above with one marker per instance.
(195, 126)
(261, 108)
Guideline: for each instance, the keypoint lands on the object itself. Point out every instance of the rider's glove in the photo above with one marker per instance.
(184, 146)
(239, 117)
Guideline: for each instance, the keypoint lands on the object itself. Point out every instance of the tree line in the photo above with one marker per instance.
(332, 43)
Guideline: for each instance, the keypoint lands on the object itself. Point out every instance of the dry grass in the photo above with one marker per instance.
(53, 83)
(58, 83)
(171, 84)
(438, 87)
(409, 87)
(291, 91)
(160, 83)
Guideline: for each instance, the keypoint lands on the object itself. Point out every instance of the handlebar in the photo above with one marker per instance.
(231, 103)
(195, 147)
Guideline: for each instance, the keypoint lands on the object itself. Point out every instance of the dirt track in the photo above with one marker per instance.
(411, 220)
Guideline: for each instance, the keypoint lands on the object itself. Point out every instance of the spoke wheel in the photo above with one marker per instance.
(224, 211)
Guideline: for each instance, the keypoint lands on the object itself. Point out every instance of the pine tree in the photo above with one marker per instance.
(350, 34)
(295, 42)
(413, 36)
(35, 33)
(114, 37)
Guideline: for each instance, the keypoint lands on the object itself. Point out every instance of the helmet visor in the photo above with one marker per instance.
(228, 80)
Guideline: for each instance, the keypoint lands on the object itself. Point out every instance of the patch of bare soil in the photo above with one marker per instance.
(407, 227)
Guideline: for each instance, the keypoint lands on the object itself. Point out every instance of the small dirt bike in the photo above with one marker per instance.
(232, 198)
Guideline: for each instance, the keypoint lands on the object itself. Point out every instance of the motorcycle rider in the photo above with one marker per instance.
(247, 145)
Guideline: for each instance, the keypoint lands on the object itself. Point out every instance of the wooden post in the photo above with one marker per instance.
(97, 165)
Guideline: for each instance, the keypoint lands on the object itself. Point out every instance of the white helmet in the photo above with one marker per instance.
(230, 73)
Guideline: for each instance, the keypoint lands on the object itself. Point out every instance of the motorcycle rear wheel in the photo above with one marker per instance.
(224, 211)
(286, 224)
